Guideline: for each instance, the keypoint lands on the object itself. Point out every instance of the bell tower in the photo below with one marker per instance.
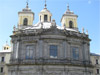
(6, 47)
(26, 17)
(69, 19)
(45, 15)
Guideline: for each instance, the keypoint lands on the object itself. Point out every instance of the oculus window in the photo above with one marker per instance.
(29, 51)
(53, 51)
(75, 53)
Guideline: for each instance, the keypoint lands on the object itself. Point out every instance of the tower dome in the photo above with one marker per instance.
(69, 19)
(6, 46)
(45, 15)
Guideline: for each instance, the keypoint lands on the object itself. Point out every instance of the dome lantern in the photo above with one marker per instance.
(45, 15)
(69, 19)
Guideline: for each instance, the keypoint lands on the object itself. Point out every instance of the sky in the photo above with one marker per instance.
(88, 12)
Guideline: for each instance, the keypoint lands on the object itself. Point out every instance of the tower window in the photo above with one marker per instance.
(25, 22)
(4, 48)
(96, 61)
(45, 18)
(53, 51)
(70, 24)
(1, 69)
(97, 71)
(7, 48)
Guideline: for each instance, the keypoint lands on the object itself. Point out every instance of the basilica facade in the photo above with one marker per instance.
(46, 48)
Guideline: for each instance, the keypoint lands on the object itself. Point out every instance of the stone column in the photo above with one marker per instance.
(64, 72)
(9, 72)
(88, 47)
(12, 49)
(86, 52)
(68, 51)
(41, 48)
(83, 50)
(17, 50)
(65, 49)
(45, 50)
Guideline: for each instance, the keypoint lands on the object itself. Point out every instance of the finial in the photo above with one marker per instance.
(41, 25)
(14, 28)
(6, 42)
(68, 7)
(87, 32)
(53, 23)
(27, 3)
(82, 30)
(45, 4)
(64, 26)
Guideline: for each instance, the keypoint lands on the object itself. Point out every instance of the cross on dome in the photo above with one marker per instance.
(68, 7)
(6, 42)
(45, 4)
(27, 2)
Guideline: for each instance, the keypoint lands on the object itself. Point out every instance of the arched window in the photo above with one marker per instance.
(70, 24)
(25, 22)
(7, 48)
(45, 18)
(4, 48)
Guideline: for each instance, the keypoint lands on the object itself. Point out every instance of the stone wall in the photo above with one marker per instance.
(49, 70)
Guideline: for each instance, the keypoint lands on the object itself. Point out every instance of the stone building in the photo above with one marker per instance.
(4, 59)
(95, 59)
(45, 48)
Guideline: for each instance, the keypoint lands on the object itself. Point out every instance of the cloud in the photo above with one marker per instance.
(98, 53)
